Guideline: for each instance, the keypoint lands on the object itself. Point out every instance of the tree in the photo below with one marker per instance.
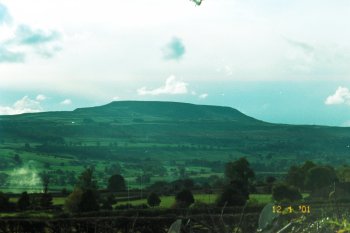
(46, 201)
(270, 180)
(108, 202)
(4, 202)
(113, 169)
(23, 202)
(234, 194)
(27, 146)
(320, 176)
(82, 201)
(88, 201)
(84, 198)
(73, 200)
(45, 179)
(184, 198)
(188, 183)
(86, 180)
(240, 175)
(295, 177)
(116, 183)
(153, 199)
(17, 159)
(239, 170)
(343, 173)
(307, 166)
(285, 192)
(182, 172)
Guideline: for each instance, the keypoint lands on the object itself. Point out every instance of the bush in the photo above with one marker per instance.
(4, 202)
(153, 200)
(234, 194)
(116, 183)
(285, 192)
(184, 198)
(88, 201)
(72, 202)
(231, 197)
(23, 202)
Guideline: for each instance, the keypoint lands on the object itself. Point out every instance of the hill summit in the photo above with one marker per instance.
(167, 111)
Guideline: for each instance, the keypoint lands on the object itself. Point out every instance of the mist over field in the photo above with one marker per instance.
(24, 178)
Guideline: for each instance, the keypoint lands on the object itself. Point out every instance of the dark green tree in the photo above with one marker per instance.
(270, 180)
(23, 202)
(17, 159)
(86, 180)
(319, 177)
(184, 198)
(240, 176)
(4, 202)
(46, 200)
(88, 201)
(116, 183)
(113, 169)
(307, 166)
(295, 177)
(108, 202)
(73, 200)
(234, 194)
(284, 192)
(45, 179)
(239, 170)
(153, 199)
(84, 198)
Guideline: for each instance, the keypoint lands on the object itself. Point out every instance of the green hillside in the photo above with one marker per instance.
(158, 137)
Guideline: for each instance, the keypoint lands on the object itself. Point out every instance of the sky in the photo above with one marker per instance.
(276, 60)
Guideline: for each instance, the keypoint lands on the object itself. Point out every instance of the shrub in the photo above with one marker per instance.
(184, 198)
(23, 202)
(153, 200)
(285, 192)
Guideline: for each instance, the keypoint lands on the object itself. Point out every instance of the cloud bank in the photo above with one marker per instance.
(171, 87)
(341, 96)
(40, 97)
(24, 105)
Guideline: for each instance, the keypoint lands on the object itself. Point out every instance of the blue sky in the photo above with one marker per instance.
(276, 60)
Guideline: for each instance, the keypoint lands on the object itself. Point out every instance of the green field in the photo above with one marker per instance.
(168, 201)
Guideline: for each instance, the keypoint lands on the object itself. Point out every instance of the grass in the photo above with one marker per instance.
(168, 201)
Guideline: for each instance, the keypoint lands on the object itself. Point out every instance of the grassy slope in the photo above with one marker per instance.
(170, 133)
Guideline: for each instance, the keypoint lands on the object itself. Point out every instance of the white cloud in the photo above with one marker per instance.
(341, 96)
(203, 96)
(116, 98)
(20, 40)
(24, 105)
(171, 87)
(66, 102)
(346, 124)
(40, 97)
